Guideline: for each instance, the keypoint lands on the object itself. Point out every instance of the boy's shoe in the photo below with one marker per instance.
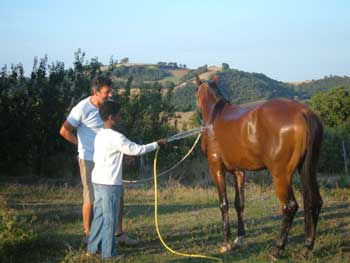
(92, 256)
(89, 254)
(124, 240)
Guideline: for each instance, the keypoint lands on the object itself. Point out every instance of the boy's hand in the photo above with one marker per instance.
(162, 141)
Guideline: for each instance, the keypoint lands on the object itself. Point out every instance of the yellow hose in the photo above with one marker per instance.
(156, 218)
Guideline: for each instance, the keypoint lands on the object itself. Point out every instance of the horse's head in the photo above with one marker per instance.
(208, 95)
(207, 92)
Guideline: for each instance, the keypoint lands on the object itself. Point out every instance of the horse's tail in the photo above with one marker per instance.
(308, 166)
(311, 193)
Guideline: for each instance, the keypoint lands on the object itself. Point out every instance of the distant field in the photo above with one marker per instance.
(189, 219)
(184, 119)
(178, 72)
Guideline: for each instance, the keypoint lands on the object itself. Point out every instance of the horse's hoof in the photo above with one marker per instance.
(225, 248)
(303, 253)
(239, 241)
(275, 253)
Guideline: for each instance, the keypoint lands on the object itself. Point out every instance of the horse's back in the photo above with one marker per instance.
(252, 138)
(282, 108)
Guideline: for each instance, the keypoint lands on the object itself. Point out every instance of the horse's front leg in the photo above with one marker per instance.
(239, 205)
(218, 176)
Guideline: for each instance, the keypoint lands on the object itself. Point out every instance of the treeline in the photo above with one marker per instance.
(170, 65)
(33, 108)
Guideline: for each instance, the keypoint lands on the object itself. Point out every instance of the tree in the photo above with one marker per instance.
(334, 109)
(79, 60)
(225, 66)
(333, 106)
(124, 60)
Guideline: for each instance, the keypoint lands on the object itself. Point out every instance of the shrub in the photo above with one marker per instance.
(16, 233)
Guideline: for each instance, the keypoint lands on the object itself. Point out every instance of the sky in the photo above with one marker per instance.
(285, 40)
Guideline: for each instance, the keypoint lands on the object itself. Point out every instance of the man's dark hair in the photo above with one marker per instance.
(98, 82)
(108, 108)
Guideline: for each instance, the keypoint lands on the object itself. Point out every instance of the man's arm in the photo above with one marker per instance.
(66, 132)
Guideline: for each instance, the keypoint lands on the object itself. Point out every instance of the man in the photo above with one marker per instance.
(85, 119)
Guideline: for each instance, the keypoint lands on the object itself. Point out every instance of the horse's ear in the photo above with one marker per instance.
(198, 80)
(215, 80)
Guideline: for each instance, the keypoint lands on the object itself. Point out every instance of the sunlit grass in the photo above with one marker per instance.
(189, 221)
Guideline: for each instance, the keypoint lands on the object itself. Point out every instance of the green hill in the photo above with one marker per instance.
(239, 86)
(147, 73)
(243, 88)
(306, 89)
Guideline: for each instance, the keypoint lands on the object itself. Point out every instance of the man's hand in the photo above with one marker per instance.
(162, 142)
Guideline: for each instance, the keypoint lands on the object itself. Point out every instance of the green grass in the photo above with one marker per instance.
(189, 219)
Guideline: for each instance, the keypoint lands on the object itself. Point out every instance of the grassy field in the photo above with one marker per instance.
(189, 220)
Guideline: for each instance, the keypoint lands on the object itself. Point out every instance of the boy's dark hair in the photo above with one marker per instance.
(108, 108)
(98, 82)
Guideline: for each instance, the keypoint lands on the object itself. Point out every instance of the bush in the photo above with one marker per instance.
(16, 234)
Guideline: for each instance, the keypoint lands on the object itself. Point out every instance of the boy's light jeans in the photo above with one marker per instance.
(104, 223)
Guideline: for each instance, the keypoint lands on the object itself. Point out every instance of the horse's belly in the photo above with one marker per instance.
(243, 161)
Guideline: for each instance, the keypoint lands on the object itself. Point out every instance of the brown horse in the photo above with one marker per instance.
(280, 135)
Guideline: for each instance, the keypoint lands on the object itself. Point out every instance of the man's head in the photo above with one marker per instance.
(110, 113)
(101, 88)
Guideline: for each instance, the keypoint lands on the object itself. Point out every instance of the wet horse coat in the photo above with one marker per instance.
(280, 135)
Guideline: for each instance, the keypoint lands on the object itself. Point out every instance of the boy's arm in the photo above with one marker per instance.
(130, 148)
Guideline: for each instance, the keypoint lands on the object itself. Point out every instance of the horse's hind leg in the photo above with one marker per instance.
(219, 179)
(286, 197)
(239, 205)
(312, 207)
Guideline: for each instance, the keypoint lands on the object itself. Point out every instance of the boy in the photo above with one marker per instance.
(110, 146)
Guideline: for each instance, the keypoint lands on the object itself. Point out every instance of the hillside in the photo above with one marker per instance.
(147, 73)
(239, 86)
(306, 89)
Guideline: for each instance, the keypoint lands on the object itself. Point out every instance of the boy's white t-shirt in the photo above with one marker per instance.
(86, 119)
(110, 146)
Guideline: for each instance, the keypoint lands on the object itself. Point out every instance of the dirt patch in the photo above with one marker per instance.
(297, 83)
(178, 72)
(183, 120)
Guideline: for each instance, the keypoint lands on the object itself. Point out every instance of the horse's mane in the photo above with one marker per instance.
(219, 106)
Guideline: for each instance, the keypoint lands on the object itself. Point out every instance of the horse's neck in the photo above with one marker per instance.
(208, 111)
(213, 111)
